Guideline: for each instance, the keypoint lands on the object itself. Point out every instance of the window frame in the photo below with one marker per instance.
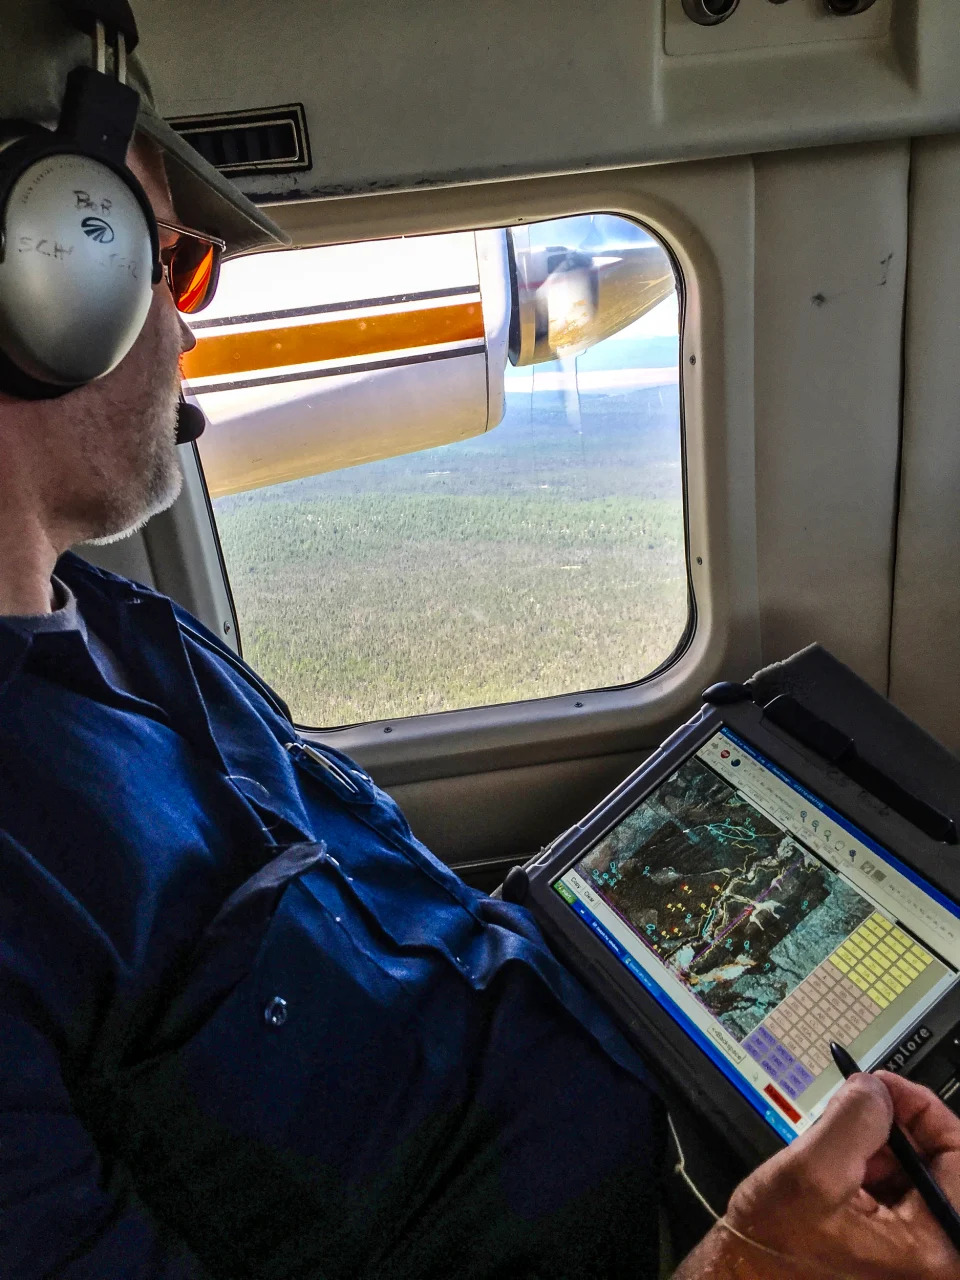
(713, 259)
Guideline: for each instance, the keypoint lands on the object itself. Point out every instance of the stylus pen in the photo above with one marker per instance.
(917, 1169)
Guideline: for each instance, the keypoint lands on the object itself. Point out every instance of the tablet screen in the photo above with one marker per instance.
(768, 925)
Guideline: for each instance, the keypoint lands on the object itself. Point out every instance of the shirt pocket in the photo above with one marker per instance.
(378, 812)
(337, 772)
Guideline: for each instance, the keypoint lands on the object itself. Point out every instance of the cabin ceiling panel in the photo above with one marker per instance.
(400, 94)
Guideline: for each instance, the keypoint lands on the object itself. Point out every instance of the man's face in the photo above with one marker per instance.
(124, 424)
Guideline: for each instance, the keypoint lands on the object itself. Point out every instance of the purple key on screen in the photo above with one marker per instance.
(754, 1046)
(805, 1077)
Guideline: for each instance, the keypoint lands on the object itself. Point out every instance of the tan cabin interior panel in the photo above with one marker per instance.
(831, 246)
(820, 246)
(925, 650)
(128, 557)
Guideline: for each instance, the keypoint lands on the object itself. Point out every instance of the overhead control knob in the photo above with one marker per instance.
(844, 8)
(709, 12)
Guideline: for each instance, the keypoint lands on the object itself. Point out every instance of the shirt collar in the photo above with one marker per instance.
(73, 575)
(122, 614)
(64, 617)
(17, 632)
(83, 578)
(14, 647)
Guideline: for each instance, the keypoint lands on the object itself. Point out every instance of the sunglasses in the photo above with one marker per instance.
(191, 266)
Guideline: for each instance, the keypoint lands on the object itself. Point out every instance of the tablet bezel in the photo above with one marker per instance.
(678, 1061)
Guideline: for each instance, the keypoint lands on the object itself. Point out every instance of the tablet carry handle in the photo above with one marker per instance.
(840, 750)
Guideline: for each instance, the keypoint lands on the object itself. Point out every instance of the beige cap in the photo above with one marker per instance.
(41, 48)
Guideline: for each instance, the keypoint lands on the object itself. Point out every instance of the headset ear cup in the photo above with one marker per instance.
(14, 130)
(77, 272)
(14, 382)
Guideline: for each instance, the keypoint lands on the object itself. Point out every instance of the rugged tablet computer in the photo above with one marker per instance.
(757, 889)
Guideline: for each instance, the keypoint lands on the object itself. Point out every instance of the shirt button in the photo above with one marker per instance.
(275, 1012)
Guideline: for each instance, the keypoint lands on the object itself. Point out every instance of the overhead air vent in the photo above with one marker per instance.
(271, 140)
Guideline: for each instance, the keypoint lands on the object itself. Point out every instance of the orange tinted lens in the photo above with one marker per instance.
(192, 269)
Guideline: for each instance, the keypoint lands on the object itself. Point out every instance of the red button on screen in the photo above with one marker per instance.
(790, 1112)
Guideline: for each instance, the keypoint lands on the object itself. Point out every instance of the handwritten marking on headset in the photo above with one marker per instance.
(94, 226)
(47, 248)
(60, 252)
(86, 201)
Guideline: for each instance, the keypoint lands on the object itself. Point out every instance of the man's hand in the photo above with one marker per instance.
(838, 1202)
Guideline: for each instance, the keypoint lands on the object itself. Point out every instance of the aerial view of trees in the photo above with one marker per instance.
(545, 557)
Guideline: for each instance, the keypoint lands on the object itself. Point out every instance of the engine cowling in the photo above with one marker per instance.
(576, 281)
(314, 360)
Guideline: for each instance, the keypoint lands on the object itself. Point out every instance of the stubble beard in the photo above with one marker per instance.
(127, 432)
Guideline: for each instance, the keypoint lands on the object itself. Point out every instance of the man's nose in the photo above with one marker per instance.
(187, 338)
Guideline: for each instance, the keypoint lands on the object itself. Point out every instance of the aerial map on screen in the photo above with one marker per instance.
(734, 906)
(767, 925)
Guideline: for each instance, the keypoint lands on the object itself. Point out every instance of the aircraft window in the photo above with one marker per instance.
(446, 470)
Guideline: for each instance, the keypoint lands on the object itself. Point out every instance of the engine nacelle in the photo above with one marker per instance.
(312, 360)
(576, 281)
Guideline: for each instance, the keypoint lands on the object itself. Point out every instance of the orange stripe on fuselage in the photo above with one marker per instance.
(228, 353)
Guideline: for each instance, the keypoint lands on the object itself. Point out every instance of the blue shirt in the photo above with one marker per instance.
(249, 1026)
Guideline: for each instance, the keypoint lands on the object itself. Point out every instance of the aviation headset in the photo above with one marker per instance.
(79, 246)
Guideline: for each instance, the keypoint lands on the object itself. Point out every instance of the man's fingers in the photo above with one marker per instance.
(930, 1123)
(884, 1175)
(831, 1159)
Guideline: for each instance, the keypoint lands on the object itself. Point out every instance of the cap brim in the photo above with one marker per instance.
(205, 199)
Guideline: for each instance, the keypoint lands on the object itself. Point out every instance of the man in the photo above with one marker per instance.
(248, 1025)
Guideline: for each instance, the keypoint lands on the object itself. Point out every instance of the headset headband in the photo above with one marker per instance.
(115, 16)
(99, 113)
